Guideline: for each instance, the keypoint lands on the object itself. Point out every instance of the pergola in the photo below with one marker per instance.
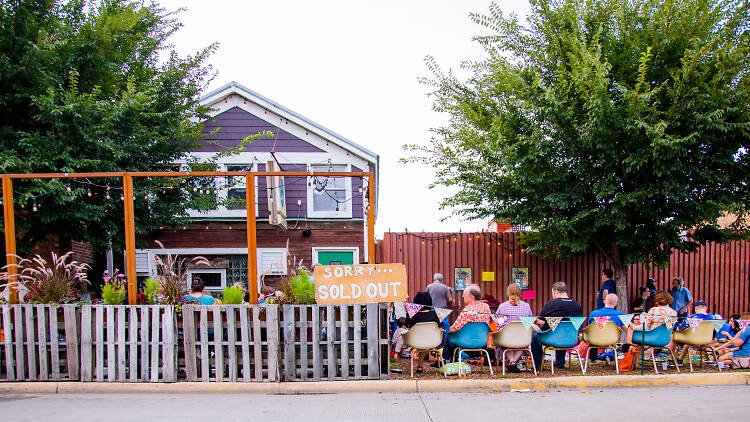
(127, 183)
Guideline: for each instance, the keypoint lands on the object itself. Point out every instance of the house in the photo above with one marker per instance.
(325, 216)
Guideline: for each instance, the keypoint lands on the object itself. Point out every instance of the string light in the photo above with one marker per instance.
(88, 192)
(34, 207)
(67, 188)
(122, 197)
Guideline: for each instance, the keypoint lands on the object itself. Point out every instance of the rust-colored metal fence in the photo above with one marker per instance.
(716, 273)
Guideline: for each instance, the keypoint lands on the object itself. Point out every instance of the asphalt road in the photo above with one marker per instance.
(705, 403)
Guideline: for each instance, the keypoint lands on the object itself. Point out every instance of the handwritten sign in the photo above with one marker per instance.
(366, 283)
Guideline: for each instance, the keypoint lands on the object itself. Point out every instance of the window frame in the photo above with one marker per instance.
(222, 271)
(345, 208)
(353, 249)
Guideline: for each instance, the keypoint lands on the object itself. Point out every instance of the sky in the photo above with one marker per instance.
(353, 67)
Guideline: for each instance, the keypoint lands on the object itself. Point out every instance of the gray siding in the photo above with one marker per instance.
(357, 183)
(236, 124)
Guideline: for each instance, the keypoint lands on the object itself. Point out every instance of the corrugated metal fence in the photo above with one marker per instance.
(715, 273)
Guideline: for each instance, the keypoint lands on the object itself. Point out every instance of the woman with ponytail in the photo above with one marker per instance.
(513, 308)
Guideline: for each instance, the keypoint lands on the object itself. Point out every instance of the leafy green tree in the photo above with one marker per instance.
(610, 125)
(93, 86)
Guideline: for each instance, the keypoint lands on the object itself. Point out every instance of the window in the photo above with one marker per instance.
(214, 279)
(335, 255)
(329, 196)
(236, 187)
(272, 261)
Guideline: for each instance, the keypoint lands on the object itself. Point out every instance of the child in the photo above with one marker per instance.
(398, 341)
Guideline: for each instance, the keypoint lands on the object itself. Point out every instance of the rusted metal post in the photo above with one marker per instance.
(10, 239)
(127, 187)
(370, 218)
(252, 269)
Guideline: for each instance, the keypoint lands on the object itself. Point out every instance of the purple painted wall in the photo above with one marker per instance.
(236, 124)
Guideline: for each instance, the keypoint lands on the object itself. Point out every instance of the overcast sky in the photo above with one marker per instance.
(351, 66)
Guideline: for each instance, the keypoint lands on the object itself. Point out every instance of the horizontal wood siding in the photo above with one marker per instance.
(357, 196)
(236, 124)
(715, 273)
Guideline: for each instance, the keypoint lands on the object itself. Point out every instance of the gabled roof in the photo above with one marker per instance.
(236, 88)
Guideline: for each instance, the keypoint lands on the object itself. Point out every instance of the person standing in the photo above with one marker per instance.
(608, 286)
(682, 299)
(441, 298)
(560, 306)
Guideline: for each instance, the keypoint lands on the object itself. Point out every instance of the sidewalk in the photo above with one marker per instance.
(382, 386)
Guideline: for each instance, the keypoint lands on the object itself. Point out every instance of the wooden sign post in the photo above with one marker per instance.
(366, 283)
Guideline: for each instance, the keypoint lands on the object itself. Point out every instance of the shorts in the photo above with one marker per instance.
(741, 362)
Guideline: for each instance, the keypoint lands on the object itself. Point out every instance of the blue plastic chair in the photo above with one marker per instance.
(472, 337)
(657, 337)
(564, 337)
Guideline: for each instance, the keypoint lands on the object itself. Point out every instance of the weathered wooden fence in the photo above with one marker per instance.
(101, 343)
(334, 342)
(39, 342)
(231, 342)
(128, 343)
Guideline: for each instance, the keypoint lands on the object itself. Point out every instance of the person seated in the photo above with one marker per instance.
(513, 308)
(644, 293)
(474, 311)
(701, 311)
(196, 293)
(426, 314)
(739, 350)
(398, 339)
(656, 316)
(609, 309)
(560, 306)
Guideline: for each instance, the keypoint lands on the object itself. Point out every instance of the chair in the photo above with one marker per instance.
(472, 337)
(514, 336)
(654, 338)
(427, 337)
(699, 338)
(564, 337)
(602, 338)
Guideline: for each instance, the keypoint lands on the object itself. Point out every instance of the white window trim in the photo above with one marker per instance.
(221, 271)
(353, 249)
(344, 212)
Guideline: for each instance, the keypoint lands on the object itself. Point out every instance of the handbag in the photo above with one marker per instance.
(626, 363)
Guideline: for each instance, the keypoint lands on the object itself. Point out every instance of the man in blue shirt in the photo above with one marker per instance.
(608, 286)
(740, 340)
(681, 297)
(609, 309)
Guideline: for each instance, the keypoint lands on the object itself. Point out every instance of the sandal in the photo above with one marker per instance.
(419, 370)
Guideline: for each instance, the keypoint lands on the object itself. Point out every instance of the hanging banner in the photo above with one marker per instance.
(553, 321)
(412, 309)
(626, 319)
(442, 313)
(694, 322)
(601, 321)
(670, 321)
(499, 319)
(527, 321)
(577, 321)
(366, 283)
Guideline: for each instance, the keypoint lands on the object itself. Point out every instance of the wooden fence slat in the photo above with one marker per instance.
(121, 326)
(272, 342)
(188, 330)
(41, 336)
(316, 345)
(203, 326)
(28, 311)
(357, 341)
(10, 369)
(245, 341)
(373, 343)
(290, 369)
(133, 335)
(303, 342)
(257, 351)
(71, 341)
(86, 362)
(155, 332)
(330, 339)
(54, 347)
(169, 373)
(232, 341)
(18, 331)
(145, 336)
(344, 341)
(218, 340)
(111, 331)
(99, 316)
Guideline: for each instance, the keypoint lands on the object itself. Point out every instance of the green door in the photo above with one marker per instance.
(335, 258)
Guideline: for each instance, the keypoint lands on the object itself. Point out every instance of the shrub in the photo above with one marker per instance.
(114, 288)
(48, 282)
(151, 291)
(300, 289)
(232, 296)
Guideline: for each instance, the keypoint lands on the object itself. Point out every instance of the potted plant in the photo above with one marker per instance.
(52, 282)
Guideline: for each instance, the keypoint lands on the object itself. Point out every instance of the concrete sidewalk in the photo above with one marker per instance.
(383, 386)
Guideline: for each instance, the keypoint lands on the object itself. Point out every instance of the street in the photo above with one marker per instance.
(614, 404)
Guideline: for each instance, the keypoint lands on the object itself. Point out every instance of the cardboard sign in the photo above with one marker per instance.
(488, 276)
(366, 283)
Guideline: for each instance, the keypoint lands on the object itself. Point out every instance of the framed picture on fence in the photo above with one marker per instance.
(520, 276)
(463, 277)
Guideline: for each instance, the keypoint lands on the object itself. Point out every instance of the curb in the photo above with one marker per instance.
(381, 386)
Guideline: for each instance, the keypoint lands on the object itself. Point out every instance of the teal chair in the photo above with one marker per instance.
(472, 337)
(564, 337)
(655, 338)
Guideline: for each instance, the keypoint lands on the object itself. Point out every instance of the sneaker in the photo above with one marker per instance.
(521, 365)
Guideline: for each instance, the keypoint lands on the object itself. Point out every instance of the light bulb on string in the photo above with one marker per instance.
(67, 187)
(34, 207)
(88, 192)
(122, 197)
(106, 194)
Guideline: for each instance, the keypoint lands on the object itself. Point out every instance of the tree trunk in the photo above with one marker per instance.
(621, 281)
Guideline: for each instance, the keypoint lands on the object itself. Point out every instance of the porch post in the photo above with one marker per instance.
(127, 187)
(10, 239)
(252, 271)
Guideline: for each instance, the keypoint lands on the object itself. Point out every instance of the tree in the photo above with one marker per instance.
(609, 125)
(88, 86)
